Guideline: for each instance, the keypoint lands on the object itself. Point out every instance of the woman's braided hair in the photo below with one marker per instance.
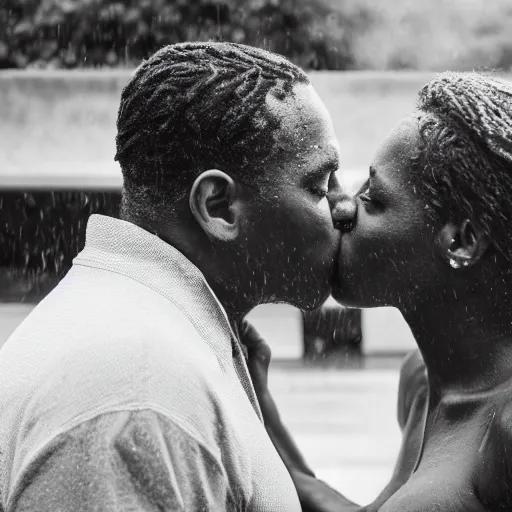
(195, 106)
(466, 158)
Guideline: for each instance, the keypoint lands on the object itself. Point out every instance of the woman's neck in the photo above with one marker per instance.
(466, 343)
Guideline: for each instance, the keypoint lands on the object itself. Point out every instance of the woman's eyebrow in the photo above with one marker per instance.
(363, 187)
(366, 184)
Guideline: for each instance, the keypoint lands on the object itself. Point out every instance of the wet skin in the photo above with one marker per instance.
(454, 452)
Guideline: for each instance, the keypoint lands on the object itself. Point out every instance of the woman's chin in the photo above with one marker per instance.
(340, 294)
(349, 299)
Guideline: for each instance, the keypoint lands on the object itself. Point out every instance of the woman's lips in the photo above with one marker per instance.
(345, 214)
(336, 267)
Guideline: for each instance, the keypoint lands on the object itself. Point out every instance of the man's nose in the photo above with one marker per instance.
(343, 211)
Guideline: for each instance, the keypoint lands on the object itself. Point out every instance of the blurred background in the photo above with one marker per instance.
(63, 64)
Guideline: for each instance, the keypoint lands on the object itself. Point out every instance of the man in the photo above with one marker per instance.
(126, 388)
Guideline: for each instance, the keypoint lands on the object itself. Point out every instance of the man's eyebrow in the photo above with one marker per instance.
(326, 167)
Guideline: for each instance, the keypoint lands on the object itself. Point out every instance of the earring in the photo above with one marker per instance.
(454, 263)
(457, 264)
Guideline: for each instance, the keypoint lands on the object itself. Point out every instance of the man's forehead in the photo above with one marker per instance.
(305, 122)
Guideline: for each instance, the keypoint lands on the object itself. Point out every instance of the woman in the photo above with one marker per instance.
(433, 237)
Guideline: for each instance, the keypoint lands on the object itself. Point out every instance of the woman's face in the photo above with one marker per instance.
(389, 258)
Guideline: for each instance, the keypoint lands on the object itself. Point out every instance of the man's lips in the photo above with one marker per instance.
(337, 268)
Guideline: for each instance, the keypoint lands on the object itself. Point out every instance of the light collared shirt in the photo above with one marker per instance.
(126, 390)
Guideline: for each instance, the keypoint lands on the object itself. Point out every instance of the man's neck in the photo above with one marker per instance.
(466, 343)
(217, 268)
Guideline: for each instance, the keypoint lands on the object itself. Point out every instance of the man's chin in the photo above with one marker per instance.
(315, 303)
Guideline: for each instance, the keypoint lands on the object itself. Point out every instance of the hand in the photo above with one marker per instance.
(259, 356)
(316, 496)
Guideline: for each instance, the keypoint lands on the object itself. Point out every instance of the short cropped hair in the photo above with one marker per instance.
(465, 163)
(195, 106)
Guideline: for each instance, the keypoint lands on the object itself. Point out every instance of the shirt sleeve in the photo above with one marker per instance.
(124, 461)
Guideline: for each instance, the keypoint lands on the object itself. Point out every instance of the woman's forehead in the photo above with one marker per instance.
(401, 144)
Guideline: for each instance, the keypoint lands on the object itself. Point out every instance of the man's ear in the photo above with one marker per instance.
(462, 245)
(214, 203)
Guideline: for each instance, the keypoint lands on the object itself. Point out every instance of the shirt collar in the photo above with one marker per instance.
(122, 247)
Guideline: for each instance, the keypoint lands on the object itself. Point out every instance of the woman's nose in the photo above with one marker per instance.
(343, 211)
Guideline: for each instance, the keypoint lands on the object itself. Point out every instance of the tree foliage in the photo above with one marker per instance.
(42, 232)
(94, 33)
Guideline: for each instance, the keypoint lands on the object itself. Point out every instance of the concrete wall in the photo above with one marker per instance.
(58, 128)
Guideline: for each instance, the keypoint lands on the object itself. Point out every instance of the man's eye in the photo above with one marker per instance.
(319, 191)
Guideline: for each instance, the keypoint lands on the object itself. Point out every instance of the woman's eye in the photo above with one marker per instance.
(365, 195)
(369, 201)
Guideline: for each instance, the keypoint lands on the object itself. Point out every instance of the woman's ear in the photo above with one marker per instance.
(214, 203)
(462, 245)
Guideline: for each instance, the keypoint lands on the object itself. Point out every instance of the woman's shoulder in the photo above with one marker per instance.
(501, 422)
(495, 451)
(496, 428)
(413, 366)
(412, 384)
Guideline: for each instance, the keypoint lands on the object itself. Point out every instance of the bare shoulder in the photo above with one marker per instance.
(502, 416)
(413, 381)
(413, 366)
(493, 482)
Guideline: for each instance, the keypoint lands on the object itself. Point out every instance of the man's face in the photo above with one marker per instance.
(291, 240)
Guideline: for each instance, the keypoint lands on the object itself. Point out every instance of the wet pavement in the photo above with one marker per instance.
(344, 421)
